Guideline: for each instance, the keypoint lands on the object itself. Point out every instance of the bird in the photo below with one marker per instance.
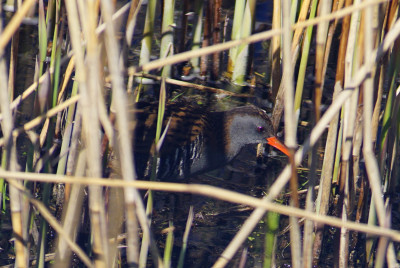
(196, 140)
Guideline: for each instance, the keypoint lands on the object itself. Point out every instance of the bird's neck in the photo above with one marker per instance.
(225, 146)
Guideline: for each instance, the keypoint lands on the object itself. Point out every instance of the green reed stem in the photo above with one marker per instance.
(303, 62)
(393, 70)
(55, 61)
(236, 29)
(62, 163)
(197, 35)
(148, 33)
(185, 238)
(169, 244)
(293, 11)
(167, 41)
(272, 226)
(239, 70)
(150, 201)
(42, 38)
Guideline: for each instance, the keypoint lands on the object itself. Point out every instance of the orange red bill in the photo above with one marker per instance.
(274, 142)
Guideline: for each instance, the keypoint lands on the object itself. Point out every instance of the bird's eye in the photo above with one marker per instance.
(260, 129)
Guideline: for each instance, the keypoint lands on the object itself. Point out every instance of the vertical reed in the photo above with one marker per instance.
(199, 6)
(167, 40)
(242, 54)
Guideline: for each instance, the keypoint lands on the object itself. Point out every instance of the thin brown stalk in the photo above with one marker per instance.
(191, 85)
(276, 50)
(216, 37)
(342, 46)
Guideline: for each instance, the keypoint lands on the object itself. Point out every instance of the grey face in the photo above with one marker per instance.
(247, 129)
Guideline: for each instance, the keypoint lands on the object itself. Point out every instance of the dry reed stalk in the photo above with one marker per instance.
(337, 5)
(368, 152)
(13, 64)
(191, 85)
(305, 7)
(325, 184)
(88, 79)
(295, 48)
(349, 112)
(131, 22)
(275, 51)
(71, 214)
(9, 157)
(133, 202)
(321, 50)
(91, 126)
(206, 37)
(290, 129)
(324, 192)
(210, 191)
(321, 40)
(119, 101)
(9, 162)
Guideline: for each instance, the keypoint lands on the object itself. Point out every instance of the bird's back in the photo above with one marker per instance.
(182, 144)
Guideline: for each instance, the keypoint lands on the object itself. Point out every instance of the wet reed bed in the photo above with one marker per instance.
(56, 186)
